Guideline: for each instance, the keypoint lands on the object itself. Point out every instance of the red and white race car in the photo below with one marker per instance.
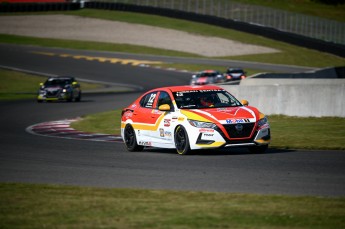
(193, 117)
(207, 77)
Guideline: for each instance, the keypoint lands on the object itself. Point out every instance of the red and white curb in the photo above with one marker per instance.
(62, 129)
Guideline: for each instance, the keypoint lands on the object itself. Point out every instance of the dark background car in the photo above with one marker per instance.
(235, 74)
(207, 77)
(61, 88)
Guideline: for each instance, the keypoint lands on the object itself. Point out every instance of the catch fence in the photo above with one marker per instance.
(309, 26)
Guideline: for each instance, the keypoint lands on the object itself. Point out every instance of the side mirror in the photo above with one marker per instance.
(245, 102)
(164, 107)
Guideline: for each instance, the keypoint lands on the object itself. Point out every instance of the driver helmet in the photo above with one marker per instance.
(207, 101)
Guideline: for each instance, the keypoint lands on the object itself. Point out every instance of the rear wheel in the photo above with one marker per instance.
(131, 140)
(258, 149)
(181, 141)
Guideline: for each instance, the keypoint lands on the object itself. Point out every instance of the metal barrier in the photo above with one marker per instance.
(34, 7)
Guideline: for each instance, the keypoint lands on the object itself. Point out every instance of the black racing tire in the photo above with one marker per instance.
(70, 99)
(181, 141)
(131, 140)
(258, 149)
(78, 98)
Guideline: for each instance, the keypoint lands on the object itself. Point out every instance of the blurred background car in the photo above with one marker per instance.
(61, 88)
(207, 77)
(235, 74)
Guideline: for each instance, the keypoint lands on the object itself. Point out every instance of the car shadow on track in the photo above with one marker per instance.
(218, 152)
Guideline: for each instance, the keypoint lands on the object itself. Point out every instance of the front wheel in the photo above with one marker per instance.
(258, 149)
(181, 141)
(70, 98)
(131, 140)
(78, 98)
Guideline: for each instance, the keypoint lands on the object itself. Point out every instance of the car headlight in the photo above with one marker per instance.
(64, 90)
(199, 124)
(262, 122)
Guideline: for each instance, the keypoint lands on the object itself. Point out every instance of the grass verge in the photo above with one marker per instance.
(287, 132)
(77, 207)
(313, 8)
(17, 85)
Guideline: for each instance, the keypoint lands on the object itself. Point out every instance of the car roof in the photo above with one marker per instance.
(209, 71)
(61, 78)
(235, 69)
(190, 88)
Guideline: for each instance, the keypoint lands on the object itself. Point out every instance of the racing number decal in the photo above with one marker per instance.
(151, 99)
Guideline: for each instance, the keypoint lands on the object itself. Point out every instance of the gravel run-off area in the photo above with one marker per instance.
(98, 30)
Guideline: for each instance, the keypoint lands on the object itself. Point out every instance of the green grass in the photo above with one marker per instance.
(16, 85)
(309, 7)
(287, 132)
(77, 207)
(307, 133)
(104, 122)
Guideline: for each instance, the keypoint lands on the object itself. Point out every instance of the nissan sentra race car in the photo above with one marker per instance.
(207, 77)
(193, 117)
(61, 88)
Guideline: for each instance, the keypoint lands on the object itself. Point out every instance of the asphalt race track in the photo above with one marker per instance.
(36, 159)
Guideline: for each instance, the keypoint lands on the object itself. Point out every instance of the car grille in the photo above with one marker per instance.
(53, 93)
(233, 132)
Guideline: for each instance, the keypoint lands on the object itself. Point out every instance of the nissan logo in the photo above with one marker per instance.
(239, 127)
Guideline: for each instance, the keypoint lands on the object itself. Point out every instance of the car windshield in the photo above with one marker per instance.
(235, 71)
(208, 74)
(198, 99)
(57, 82)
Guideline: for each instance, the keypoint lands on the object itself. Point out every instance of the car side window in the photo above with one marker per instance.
(164, 98)
(147, 100)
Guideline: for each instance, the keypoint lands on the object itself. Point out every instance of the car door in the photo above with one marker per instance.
(144, 121)
(163, 135)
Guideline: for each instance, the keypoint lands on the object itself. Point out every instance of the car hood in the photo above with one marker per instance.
(52, 88)
(227, 115)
